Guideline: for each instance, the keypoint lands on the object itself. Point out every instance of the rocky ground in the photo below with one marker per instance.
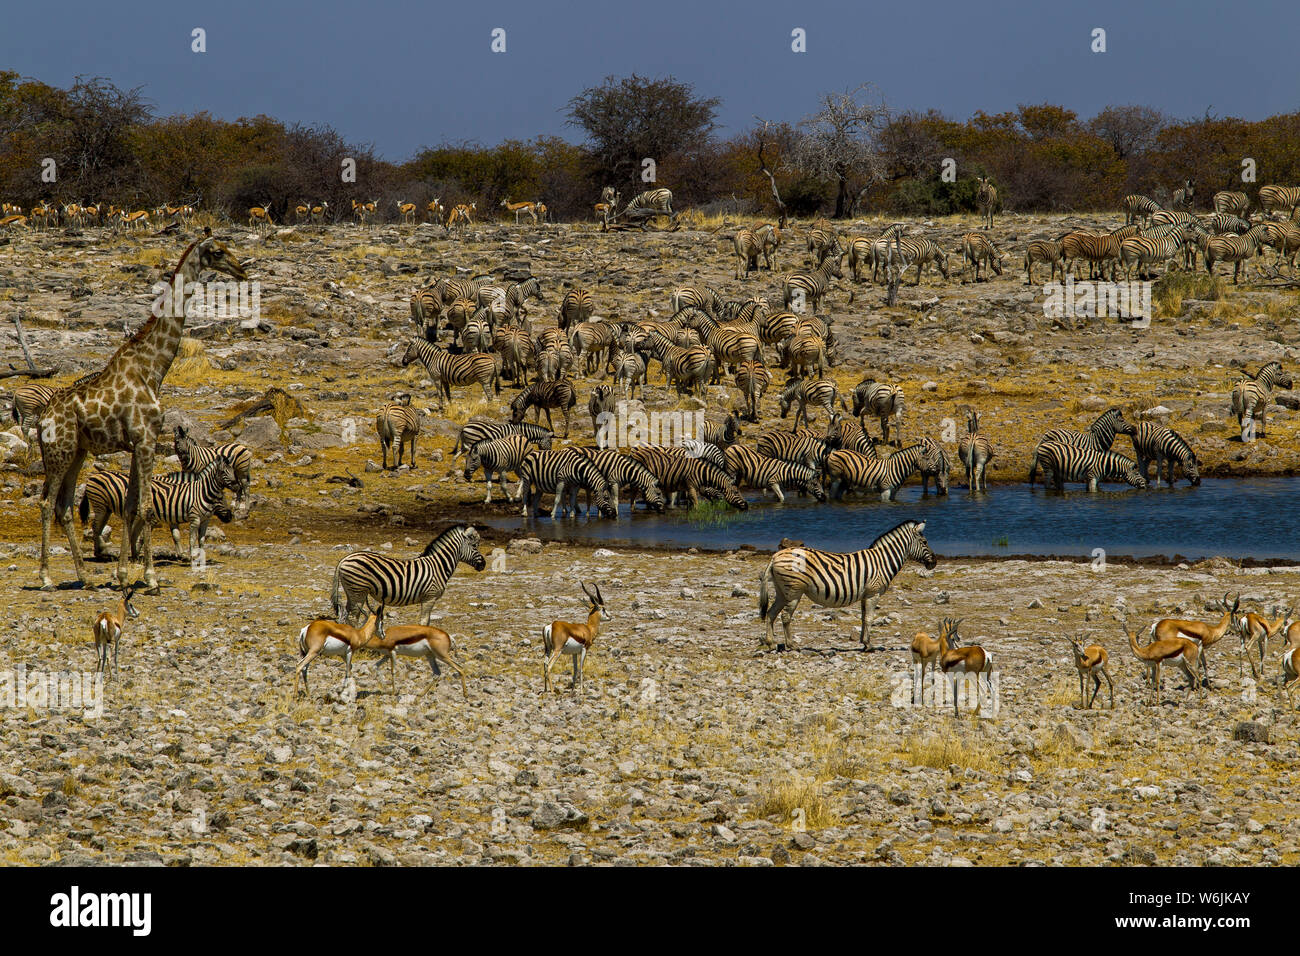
(683, 745)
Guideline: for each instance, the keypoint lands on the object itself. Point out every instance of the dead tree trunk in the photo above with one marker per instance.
(762, 167)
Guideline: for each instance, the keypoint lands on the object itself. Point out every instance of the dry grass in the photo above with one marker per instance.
(943, 752)
(787, 798)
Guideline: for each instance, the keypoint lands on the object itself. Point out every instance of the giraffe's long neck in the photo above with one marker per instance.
(150, 352)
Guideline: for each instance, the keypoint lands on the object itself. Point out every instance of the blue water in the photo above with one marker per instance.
(1233, 518)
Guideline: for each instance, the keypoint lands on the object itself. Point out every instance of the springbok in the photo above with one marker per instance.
(1091, 661)
(108, 629)
(328, 638)
(564, 637)
(1172, 647)
(1205, 635)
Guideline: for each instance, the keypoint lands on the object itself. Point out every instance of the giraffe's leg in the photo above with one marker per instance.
(63, 507)
(139, 505)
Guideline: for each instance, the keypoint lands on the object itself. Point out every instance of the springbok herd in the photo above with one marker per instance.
(470, 332)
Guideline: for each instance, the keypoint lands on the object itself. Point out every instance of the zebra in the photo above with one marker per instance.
(752, 378)
(1171, 217)
(768, 474)
(600, 403)
(195, 453)
(1183, 196)
(748, 249)
(723, 434)
(934, 465)
(977, 249)
(1077, 463)
(769, 240)
(647, 205)
(986, 197)
(1138, 208)
(515, 347)
(705, 450)
(1165, 447)
(629, 371)
(593, 340)
(802, 447)
(426, 308)
(804, 392)
(496, 456)
(1142, 251)
(545, 472)
(823, 241)
(1285, 238)
(975, 452)
(804, 291)
(1283, 198)
(478, 429)
(920, 252)
(576, 307)
(518, 294)
(689, 369)
(619, 470)
(730, 346)
(479, 331)
(1044, 250)
(679, 473)
(1231, 203)
(1235, 249)
(190, 501)
(542, 397)
(447, 370)
(1251, 397)
(707, 301)
(398, 422)
(846, 470)
(1098, 250)
(397, 582)
(831, 579)
(775, 327)
(1222, 222)
(1099, 436)
(882, 400)
(846, 433)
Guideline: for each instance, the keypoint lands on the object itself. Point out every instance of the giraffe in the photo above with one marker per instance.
(118, 410)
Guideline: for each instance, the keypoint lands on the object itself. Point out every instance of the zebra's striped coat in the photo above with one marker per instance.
(363, 576)
(1076, 463)
(831, 579)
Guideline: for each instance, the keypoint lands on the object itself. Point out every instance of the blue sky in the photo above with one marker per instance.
(400, 74)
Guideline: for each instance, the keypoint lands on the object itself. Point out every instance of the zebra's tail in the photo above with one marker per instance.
(1033, 469)
(334, 592)
(970, 457)
(83, 509)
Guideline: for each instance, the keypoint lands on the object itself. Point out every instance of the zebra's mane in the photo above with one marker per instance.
(444, 535)
(897, 531)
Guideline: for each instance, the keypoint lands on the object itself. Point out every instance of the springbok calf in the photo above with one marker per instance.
(108, 629)
(325, 637)
(1205, 635)
(414, 640)
(1173, 647)
(971, 659)
(1091, 661)
(564, 637)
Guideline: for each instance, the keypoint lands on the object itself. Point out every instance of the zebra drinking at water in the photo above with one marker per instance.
(1077, 463)
(1165, 447)
(851, 471)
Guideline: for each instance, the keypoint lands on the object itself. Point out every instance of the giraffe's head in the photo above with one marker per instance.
(214, 254)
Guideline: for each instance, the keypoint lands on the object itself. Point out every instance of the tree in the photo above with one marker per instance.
(635, 118)
(1130, 130)
(839, 142)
